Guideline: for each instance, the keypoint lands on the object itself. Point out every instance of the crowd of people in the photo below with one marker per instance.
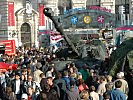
(36, 78)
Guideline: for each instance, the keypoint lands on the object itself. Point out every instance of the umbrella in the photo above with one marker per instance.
(4, 65)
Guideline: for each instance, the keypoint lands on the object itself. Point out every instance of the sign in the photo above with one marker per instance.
(10, 48)
(99, 8)
(73, 10)
(74, 19)
(41, 15)
(48, 37)
(100, 19)
(11, 19)
(87, 19)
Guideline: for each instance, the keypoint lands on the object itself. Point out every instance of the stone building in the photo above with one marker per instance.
(23, 19)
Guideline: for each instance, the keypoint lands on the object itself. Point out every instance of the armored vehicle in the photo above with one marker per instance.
(83, 46)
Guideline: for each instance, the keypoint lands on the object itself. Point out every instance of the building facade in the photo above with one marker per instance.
(22, 20)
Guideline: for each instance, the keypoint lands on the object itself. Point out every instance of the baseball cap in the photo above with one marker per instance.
(24, 96)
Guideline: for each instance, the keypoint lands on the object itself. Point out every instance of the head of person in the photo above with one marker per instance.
(84, 95)
(79, 76)
(102, 79)
(92, 88)
(28, 70)
(108, 87)
(42, 75)
(30, 78)
(71, 70)
(80, 81)
(38, 65)
(24, 96)
(44, 85)
(67, 65)
(23, 71)
(59, 75)
(50, 81)
(8, 90)
(118, 84)
(109, 78)
(17, 76)
(72, 83)
(106, 96)
(42, 96)
(65, 73)
(51, 68)
(30, 90)
(119, 76)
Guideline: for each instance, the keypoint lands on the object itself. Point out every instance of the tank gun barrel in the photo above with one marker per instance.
(49, 13)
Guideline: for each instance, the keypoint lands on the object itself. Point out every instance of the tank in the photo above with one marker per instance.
(88, 49)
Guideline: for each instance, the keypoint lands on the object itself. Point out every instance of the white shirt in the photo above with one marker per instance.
(17, 87)
(94, 95)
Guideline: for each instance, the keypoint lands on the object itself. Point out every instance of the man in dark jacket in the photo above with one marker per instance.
(17, 86)
(72, 93)
(61, 84)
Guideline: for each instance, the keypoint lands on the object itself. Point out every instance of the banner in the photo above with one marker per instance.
(10, 47)
(41, 15)
(11, 19)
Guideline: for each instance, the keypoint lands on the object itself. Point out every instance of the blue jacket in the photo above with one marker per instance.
(116, 94)
(67, 81)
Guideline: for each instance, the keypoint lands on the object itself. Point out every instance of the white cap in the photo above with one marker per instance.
(122, 74)
(119, 75)
(24, 96)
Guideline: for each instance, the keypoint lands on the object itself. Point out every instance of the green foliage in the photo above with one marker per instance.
(117, 59)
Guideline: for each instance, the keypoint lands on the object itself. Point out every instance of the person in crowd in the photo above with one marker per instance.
(24, 74)
(109, 81)
(17, 86)
(72, 93)
(42, 96)
(54, 89)
(117, 94)
(8, 94)
(50, 71)
(79, 76)
(74, 67)
(29, 83)
(31, 93)
(106, 96)
(124, 88)
(108, 87)
(29, 71)
(31, 66)
(70, 71)
(93, 94)
(24, 97)
(81, 85)
(97, 82)
(61, 84)
(101, 88)
(37, 73)
(85, 73)
(66, 79)
(84, 95)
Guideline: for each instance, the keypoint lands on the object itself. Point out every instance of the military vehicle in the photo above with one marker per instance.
(89, 50)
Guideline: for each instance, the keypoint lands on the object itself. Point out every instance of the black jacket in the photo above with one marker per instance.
(13, 86)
